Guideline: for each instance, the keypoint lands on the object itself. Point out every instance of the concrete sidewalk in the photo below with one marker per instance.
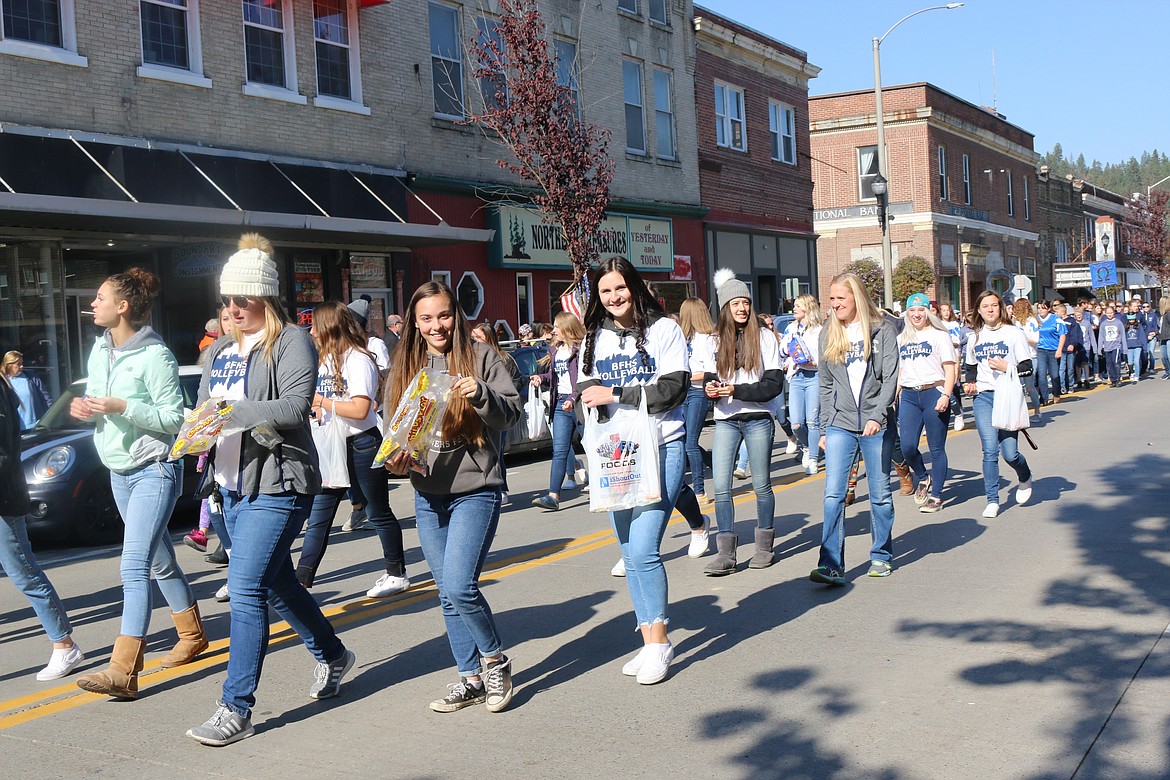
(1028, 646)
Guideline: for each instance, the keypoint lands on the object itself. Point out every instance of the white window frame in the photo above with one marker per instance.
(65, 54)
(531, 289)
(862, 176)
(668, 114)
(1011, 203)
(665, 19)
(966, 180)
(442, 276)
(623, 6)
(1027, 202)
(725, 120)
(193, 75)
(574, 76)
(288, 93)
(461, 98)
(489, 27)
(782, 125)
(640, 105)
(355, 103)
(944, 189)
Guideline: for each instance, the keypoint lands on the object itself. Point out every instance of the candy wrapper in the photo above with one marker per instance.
(418, 419)
(201, 427)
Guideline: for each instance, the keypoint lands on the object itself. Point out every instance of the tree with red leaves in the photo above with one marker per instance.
(539, 121)
(1149, 233)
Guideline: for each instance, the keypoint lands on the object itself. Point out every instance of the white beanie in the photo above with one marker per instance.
(728, 288)
(251, 271)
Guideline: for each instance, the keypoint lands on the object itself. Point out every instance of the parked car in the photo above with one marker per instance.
(527, 358)
(69, 486)
(780, 321)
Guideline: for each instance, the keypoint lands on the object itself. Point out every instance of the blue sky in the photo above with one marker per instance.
(1092, 76)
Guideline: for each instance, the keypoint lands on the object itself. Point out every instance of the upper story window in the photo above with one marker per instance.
(729, 127)
(493, 88)
(867, 171)
(268, 47)
(658, 11)
(566, 52)
(446, 61)
(966, 180)
(664, 114)
(40, 29)
(1061, 249)
(1011, 196)
(782, 124)
(334, 38)
(943, 190)
(628, 5)
(1027, 202)
(635, 117)
(166, 33)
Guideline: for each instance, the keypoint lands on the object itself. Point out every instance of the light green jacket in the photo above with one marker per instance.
(144, 374)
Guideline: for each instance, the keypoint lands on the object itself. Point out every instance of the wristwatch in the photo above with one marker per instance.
(617, 395)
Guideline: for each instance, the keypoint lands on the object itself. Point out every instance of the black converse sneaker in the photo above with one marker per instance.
(497, 679)
(462, 694)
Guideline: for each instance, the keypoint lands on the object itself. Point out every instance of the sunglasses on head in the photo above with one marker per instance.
(241, 301)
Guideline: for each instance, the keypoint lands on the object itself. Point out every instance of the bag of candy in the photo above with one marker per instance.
(418, 420)
(201, 427)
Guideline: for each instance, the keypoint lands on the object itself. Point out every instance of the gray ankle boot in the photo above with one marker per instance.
(724, 561)
(763, 557)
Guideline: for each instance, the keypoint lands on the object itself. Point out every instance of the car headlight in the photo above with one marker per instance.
(54, 462)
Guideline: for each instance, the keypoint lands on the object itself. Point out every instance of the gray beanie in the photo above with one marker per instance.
(728, 288)
(251, 271)
(360, 309)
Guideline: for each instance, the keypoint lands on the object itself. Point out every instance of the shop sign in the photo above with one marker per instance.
(194, 260)
(1071, 276)
(310, 283)
(524, 240)
(682, 269)
(367, 270)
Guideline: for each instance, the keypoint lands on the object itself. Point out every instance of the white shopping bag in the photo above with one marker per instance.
(623, 459)
(1009, 410)
(331, 441)
(537, 411)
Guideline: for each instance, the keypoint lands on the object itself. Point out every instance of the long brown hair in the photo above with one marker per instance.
(1004, 319)
(336, 332)
(694, 317)
(731, 355)
(410, 357)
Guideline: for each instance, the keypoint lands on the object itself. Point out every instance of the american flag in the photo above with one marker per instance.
(573, 301)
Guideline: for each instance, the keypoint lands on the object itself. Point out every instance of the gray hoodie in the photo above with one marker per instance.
(878, 387)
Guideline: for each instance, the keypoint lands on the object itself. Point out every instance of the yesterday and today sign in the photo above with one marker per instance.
(524, 240)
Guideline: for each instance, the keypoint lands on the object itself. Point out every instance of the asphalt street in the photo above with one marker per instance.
(1032, 645)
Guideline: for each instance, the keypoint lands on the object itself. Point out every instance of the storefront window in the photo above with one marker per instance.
(32, 317)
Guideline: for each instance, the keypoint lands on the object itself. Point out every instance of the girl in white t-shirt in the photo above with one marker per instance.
(799, 348)
(347, 384)
(995, 345)
(926, 378)
(1024, 319)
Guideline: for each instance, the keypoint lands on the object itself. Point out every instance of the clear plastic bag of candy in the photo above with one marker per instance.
(418, 420)
(201, 427)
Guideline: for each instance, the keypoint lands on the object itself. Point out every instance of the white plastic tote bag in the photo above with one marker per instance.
(1009, 410)
(623, 459)
(537, 411)
(330, 440)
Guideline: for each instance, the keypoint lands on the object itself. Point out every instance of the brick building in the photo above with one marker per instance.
(751, 97)
(961, 187)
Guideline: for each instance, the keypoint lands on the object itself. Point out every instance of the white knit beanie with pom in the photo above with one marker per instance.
(251, 271)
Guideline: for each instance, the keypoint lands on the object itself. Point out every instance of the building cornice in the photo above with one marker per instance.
(926, 218)
(733, 45)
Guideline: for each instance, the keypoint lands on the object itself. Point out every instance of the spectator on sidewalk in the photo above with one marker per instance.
(31, 396)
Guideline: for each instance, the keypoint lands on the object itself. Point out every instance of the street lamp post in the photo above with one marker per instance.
(1155, 184)
(883, 171)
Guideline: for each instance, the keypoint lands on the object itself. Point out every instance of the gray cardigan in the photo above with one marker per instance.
(878, 387)
(280, 395)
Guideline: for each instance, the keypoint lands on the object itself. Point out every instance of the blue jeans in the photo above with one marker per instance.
(145, 498)
(841, 447)
(916, 411)
(19, 563)
(1068, 374)
(456, 533)
(994, 442)
(757, 435)
(639, 531)
(563, 425)
(263, 528)
(695, 410)
(1046, 368)
(804, 406)
(1135, 362)
(371, 482)
(1166, 358)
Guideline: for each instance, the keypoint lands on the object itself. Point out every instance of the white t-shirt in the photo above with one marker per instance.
(561, 371)
(229, 380)
(955, 328)
(617, 363)
(381, 354)
(922, 359)
(359, 376)
(810, 337)
(770, 361)
(1006, 341)
(701, 354)
(855, 362)
(1031, 331)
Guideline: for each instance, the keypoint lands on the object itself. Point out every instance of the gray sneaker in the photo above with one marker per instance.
(461, 694)
(222, 728)
(327, 677)
(497, 681)
(356, 522)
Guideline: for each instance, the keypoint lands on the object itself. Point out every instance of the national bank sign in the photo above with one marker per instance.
(524, 240)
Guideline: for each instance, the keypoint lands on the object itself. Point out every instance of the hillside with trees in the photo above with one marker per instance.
(1125, 178)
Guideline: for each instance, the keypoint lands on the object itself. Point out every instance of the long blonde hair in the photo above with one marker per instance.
(572, 331)
(836, 340)
(909, 332)
(813, 316)
(694, 318)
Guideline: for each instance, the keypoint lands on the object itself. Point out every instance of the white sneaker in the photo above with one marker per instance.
(812, 467)
(791, 447)
(700, 543)
(63, 661)
(634, 665)
(805, 460)
(740, 474)
(388, 585)
(959, 423)
(656, 664)
(1024, 492)
(504, 499)
(992, 510)
(619, 568)
(222, 595)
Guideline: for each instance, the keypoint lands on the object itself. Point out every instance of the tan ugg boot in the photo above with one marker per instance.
(121, 678)
(192, 640)
(906, 482)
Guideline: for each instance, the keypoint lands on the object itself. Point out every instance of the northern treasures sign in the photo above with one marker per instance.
(524, 240)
